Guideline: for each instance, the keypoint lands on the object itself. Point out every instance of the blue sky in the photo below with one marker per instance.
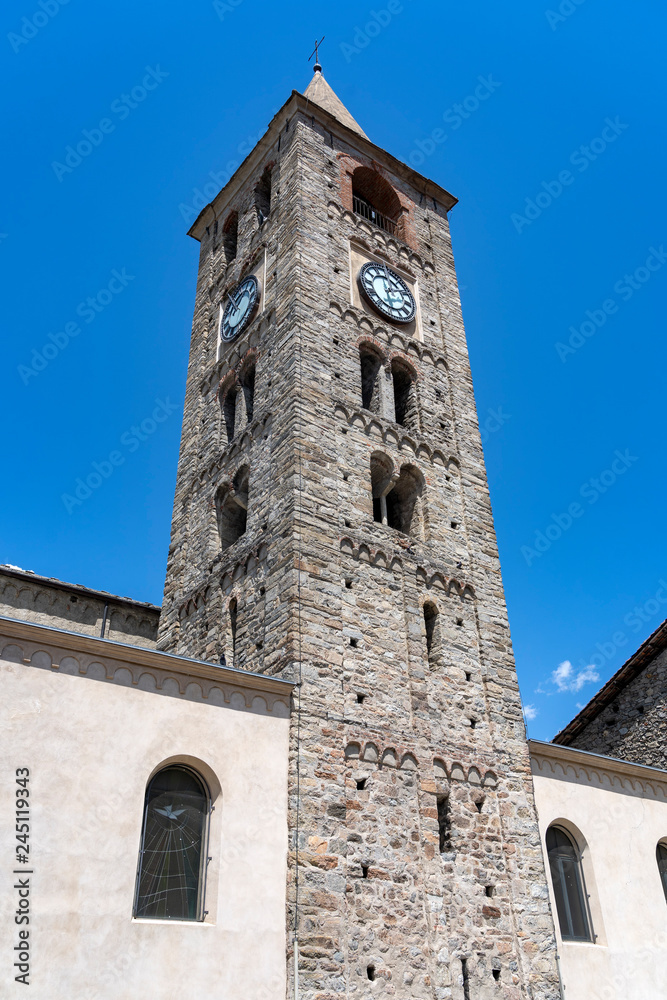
(559, 240)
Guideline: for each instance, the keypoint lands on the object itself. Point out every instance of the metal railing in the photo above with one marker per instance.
(361, 207)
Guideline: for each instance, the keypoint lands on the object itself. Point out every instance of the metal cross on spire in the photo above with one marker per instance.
(316, 67)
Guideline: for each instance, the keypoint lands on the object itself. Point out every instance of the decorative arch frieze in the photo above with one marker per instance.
(165, 681)
(386, 338)
(405, 759)
(388, 432)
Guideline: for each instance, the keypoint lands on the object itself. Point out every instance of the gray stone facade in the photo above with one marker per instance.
(415, 866)
(627, 719)
(45, 601)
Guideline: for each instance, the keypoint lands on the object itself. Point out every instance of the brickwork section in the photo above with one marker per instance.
(320, 591)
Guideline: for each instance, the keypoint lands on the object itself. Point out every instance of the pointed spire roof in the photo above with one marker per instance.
(319, 92)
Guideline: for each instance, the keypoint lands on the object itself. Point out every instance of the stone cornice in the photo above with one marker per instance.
(564, 763)
(44, 646)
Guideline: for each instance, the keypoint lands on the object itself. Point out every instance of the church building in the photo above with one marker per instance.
(306, 775)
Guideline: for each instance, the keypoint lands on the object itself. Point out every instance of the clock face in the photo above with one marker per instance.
(241, 303)
(387, 292)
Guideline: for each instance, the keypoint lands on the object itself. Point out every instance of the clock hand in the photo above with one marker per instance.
(232, 300)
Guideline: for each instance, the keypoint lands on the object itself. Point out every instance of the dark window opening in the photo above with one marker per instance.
(473, 723)
(248, 386)
(453, 524)
(233, 627)
(479, 804)
(348, 585)
(489, 891)
(468, 675)
(661, 855)
(405, 403)
(466, 979)
(431, 624)
(169, 878)
(377, 509)
(371, 365)
(370, 970)
(568, 885)
(444, 823)
(229, 412)
(496, 974)
(230, 237)
(459, 622)
(360, 698)
(263, 196)
(361, 784)
(354, 643)
(364, 871)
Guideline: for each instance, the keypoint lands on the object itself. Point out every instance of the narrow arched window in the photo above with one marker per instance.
(248, 386)
(371, 364)
(405, 401)
(263, 196)
(432, 627)
(229, 412)
(568, 883)
(661, 854)
(171, 857)
(233, 625)
(230, 236)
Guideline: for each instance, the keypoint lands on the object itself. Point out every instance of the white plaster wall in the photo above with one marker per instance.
(91, 746)
(629, 911)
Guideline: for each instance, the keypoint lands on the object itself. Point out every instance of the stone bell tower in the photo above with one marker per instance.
(332, 525)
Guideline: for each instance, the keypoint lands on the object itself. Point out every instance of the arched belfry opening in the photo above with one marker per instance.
(230, 236)
(405, 396)
(229, 410)
(374, 199)
(404, 503)
(263, 196)
(247, 380)
(370, 363)
(232, 508)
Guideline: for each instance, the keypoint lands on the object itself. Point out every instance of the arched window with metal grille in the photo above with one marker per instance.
(170, 875)
(567, 878)
(661, 856)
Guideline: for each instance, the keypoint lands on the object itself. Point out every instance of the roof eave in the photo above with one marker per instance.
(632, 667)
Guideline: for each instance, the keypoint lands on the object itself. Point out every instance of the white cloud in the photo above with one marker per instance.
(530, 712)
(566, 678)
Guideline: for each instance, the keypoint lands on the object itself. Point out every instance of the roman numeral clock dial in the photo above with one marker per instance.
(387, 292)
(241, 304)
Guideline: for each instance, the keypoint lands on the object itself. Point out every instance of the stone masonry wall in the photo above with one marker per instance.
(384, 737)
(634, 726)
(74, 608)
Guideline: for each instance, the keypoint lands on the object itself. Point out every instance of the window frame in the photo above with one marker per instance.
(580, 880)
(204, 859)
(661, 847)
